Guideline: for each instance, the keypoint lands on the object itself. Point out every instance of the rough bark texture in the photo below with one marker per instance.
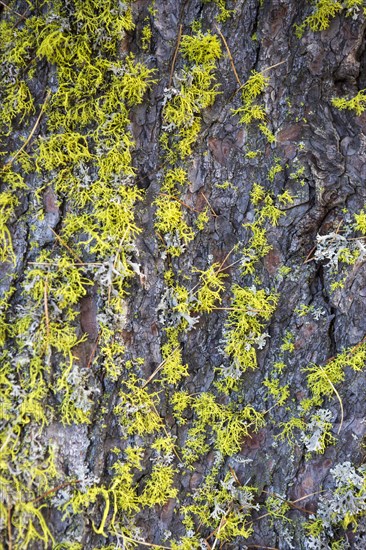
(320, 150)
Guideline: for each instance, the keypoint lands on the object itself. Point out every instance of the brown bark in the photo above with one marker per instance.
(311, 133)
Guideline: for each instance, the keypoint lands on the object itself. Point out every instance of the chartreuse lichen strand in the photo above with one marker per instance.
(324, 11)
(357, 104)
(250, 309)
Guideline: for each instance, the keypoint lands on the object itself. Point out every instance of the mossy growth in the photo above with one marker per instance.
(251, 111)
(279, 393)
(211, 286)
(251, 90)
(227, 424)
(324, 12)
(173, 369)
(250, 309)
(319, 20)
(266, 211)
(315, 423)
(121, 499)
(146, 35)
(136, 409)
(223, 506)
(182, 110)
(192, 91)
(357, 104)
(323, 379)
(7, 204)
(360, 222)
(224, 14)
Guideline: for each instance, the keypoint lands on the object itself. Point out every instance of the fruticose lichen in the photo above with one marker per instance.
(69, 176)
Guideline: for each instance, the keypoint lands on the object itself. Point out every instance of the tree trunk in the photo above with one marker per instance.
(182, 278)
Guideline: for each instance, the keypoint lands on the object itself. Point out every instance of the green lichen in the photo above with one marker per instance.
(211, 287)
(224, 14)
(146, 35)
(360, 222)
(173, 369)
(136, 409)
(356, 103)
(7, 205)
(322, 379)
(159, 488)
(250, 308)
(250, 110)
(223, 507)
(325, 11)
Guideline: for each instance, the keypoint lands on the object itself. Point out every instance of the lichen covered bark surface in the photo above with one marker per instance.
(182, 276)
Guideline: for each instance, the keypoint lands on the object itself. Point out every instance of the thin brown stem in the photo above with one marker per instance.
(231, 265)
(10, 543)
(223, 520)
(338, 397)
(233, 473)
(8, 164)
(158, 368)
(92, 355)
(289, 502)
(149, 544)
(308, 257)
(21, 17)
(339, 226)
(115, 264)
(308, 496)
(11, 9)
(262, 547)
(166, 432)
(274, 66)
(46, 315)
(264, 70)
(216, 531)
(65, 245)
(56, 263)
(209, 205)
(175, 55)
(55, 489)
(230, 56)
(238, 309)
(181, 202)
(221, 268)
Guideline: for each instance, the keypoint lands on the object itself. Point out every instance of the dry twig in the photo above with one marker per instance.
(230, 56)
(91, 358)
(47, 493)
(209, 205)
(180, 201)
(46, 315)
(175, 55)
(11, 9)
(10, 544)
(10, 162)
(158, 368)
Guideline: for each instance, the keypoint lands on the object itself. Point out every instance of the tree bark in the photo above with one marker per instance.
(97, 337)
